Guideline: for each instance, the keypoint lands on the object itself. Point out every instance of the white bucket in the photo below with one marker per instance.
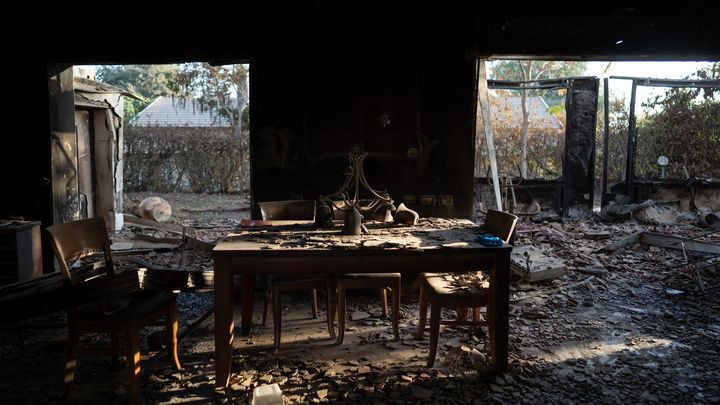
(267, 395)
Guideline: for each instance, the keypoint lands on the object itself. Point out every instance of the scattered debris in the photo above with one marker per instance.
(635, 329)
(597, 235)
(533, 265)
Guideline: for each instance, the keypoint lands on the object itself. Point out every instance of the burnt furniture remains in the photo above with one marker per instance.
(381, 281)
(20, 251)
(301, 210)
(81, 242)
(433, 243)
(443, 290)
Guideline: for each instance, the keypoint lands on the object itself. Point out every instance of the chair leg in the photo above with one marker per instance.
(396, 308)
(462, 313)
(277, 316)
(132, 347)
(330, 309)
(72, 352)
(423, 315)
(383, 301)
(434, 332)
(268, 298)
(331, 298)
(171, 329)
(313, 300)
(342, 313)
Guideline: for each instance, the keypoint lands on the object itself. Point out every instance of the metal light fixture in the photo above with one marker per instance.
(348, 197)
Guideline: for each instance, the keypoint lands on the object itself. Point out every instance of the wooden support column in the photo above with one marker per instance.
(606, 141)
(631, 147)
(485, 109)
(579, 160)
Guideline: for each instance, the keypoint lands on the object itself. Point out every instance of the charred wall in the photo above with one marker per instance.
(343, 34)
(579, 159)
(414, 116)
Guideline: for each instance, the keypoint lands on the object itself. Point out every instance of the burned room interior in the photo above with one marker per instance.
(369, 216)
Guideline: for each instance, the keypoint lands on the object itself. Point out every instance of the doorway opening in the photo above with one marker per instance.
(177, 134)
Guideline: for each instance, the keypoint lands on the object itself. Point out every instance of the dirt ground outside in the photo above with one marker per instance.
(193, 208)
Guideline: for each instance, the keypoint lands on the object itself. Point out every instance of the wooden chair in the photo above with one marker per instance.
(86, 239)
(439, 293)
(382, 281)
(292, 210)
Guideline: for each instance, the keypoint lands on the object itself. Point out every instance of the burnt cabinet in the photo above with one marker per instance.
(20, 252)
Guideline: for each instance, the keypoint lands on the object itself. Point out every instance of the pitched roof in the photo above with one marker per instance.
(507, 112)
(176, 112)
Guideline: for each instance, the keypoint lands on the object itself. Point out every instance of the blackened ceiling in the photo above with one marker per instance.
(153, 33)
(372, 32)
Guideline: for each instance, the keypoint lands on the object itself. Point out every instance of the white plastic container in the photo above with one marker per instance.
(267, 395)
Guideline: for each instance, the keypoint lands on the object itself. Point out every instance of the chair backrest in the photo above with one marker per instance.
(287, 210)
(80, 240)
(500, 224)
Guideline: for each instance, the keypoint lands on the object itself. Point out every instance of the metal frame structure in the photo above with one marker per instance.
(632, 130)
(552, 84)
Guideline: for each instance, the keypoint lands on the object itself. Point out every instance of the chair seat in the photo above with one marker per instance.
(440, 289)
(354, 276)
(125, 308)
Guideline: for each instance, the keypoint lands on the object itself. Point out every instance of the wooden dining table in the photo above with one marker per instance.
(433, 245)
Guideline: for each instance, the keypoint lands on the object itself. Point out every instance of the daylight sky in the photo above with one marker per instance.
(656, 70)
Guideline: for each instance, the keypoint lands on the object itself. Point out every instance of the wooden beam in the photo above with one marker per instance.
(485, 110)
(606, 141)
(664, 241)
(673, 242)
(154, 224)
(631, 139)
(623, 243)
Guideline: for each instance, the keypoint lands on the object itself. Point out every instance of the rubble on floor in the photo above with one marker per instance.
(632, 325)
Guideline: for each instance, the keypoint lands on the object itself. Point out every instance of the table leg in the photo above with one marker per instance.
(223, 321)
(499, 311)
(247, 302)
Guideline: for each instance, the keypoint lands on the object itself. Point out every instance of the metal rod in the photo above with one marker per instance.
(541, 83)
(630, 160)
(652, 82)
(692, 268)
(606, 141)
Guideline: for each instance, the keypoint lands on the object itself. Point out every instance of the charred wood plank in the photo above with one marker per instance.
(623, 243)
(676, 242)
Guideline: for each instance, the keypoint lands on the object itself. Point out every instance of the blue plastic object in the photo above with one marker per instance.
(489, 240)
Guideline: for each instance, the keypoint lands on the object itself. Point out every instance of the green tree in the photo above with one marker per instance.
(533, 70)
(149, 81)
(224, 90)
(684, 125)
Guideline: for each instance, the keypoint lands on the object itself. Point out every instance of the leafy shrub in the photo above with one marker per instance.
(181, 159)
